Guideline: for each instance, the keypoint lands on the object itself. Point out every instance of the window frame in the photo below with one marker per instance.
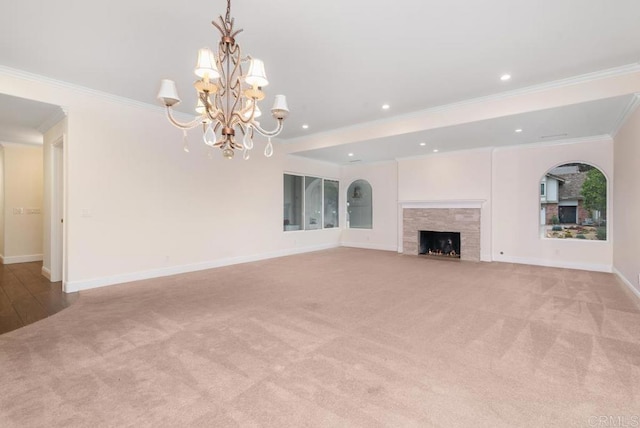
(322, 205)
(347, 205)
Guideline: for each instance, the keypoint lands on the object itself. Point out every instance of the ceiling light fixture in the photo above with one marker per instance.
(305, 126)
(227, 98)
(519, 130)
(505, 77)
(435, 150)
(350, 154)
(423, 144)
(386, 106)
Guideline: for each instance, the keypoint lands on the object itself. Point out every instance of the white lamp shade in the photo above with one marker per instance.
(256, 75)
(168, 92)
(249, 108)
(206, 66)
(280, 103)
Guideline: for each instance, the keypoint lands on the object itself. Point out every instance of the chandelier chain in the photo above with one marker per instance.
(228, 15)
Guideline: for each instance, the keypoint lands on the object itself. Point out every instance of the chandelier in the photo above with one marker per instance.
(227, 98)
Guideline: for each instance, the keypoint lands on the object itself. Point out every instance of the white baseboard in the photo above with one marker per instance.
(553, 263)
(46, 273)
(628, 283)
(369, 246)
(21, 259)
(72, 286)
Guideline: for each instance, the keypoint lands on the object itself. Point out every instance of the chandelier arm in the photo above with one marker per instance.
(236, 88)
(210, 110)
(238, 99)
(248, 120)
(219, 116)
(180, 125)
(264, 133)
(215, 24)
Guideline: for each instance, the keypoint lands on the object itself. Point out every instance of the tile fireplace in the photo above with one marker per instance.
(446, 225)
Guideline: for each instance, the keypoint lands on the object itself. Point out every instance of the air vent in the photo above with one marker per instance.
(546, 137)
(355, 161)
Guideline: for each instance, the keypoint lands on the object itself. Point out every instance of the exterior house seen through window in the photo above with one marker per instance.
(573, 203)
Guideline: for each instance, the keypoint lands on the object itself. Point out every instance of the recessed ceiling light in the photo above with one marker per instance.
(305, 126)
(423, 144)
(385, 106)
(505, 77)
(519, 130)
(435, 150)
(350, 154)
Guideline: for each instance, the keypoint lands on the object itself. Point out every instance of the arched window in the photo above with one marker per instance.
(573, 202)
(359, 205)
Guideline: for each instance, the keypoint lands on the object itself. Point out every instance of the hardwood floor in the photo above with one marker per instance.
(26, 296)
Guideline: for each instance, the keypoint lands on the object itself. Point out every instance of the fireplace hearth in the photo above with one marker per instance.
(439, 244)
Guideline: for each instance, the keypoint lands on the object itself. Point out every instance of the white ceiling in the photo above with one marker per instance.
(600, 117)
(337, 61)
(24, 121)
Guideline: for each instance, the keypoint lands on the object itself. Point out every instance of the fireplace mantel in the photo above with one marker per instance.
(444, 203)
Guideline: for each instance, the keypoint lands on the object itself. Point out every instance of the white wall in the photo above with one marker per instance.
(138, 206)
(454, 176)
(626, 199)
(383, 178)
(508, 181)
(23, 184)
(517, 172)
(1, 203)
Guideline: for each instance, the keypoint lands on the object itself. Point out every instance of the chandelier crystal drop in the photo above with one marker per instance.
(227, 98)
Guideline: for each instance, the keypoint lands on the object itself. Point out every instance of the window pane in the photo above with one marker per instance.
(331, 191)
(292, 202)
(359, 205)
(313, 203)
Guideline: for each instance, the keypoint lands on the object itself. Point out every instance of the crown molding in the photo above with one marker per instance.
(570, 81)
(564, 142)
(628, 111)
(38, 78)
(52, 120)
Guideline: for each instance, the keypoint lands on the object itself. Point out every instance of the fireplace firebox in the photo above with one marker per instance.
(440, 244)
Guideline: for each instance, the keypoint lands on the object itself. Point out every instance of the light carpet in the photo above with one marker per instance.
(343, 337)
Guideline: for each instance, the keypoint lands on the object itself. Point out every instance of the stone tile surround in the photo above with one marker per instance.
(463, 220)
